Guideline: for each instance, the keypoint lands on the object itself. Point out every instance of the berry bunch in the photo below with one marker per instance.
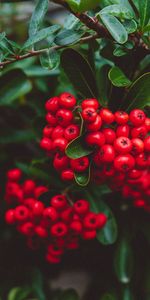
(56, 227)
(119, 142)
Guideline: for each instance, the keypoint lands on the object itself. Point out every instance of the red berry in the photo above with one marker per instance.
(121, 117)
(139, 203)
(41, 231)
(90, 221)
(46, 144)
(51, 120)
(137, 117)
(52, 259)
(10, 216)
(137, 146)
(52, 104)
(79, 164)
(67, 175)
(28, 187)
(110, 135)
(38, 208)
(81, 207)
(101, 220)
(14, 174)
(89, 114)
(39, 190)
(106, 153)
(60, 162)
(76, 226)
(67, 100)
(66, 215)
(89, 234)
(21, 213)
(47, 131)
(50, 214)
(58, 132)
(59, 202)
(147, 144)
(124, 163)
(27, 229)
(123, 144)
(64, 117)
(123, 130)
(142, 161)
(54, 250)
(59, 230)
(90, 103)
(147, 123)
(95, 139)
(107, 116)
(134, 174)
(139, 132)
(59, 144)
(29, 202)
(96, 125)
(71, 132)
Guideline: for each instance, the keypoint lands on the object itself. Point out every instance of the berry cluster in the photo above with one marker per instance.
(119, 142)
(58, 226)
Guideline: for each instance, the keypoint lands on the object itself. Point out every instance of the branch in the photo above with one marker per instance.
(38, 52)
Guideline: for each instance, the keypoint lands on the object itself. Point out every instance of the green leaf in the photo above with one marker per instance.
(139, 93)
(38, 16)
(144, 11)
(117, 10)
(68, 37)
(103, 84)
(83, 179)
(115, 28)
(18, 136)
(69, 294)
(118, 78)
(127, 293)
(37, 284)
(50, 59)
(120, 51)
(33, 171)
(40, 35)
(72, 22)
(77, 148)
(82, 5)
(2, 36)
(123, 262)
(130, 26)
(13, 85)
(108, 296)
(79, 72)
(19, 293)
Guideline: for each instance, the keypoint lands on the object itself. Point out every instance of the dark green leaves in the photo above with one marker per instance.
(124, 261)
(68, 37)
(69, 294)
(50, 59)
(19, 293)
(118, 78)
(12, 86)
(144, 10)
(83, 179)
(118, 10)
(139, 93)
(108, 296)
(77, 148)
(79, 72)
(37, 17)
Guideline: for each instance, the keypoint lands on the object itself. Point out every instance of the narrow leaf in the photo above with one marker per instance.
(118, 78)
(118, 10)
(50, 59)
(144, 10)
(83, 179)
(68, 37)
(37, 17)
(77, 148)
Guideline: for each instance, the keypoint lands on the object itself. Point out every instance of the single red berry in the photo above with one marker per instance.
(109, 170)
(89, 234)
(110, 135)
(139, 203)
(10, 216)
(139, 132)
(101, 220)
(39, 190)
(76, 226)
(38, 208)
(71, 132)
(137, 117)
(67, 175)
(52, 104)
(60, 161)
(147, 123)
(107, 116)
(21, 213)
(95, 139)
(50, 214)
(81, 207)
(96, 125)
(51, 120)
(90, 221)
(123, 144)
(28, 187)
(66, 215)
(29, 203)
(41, 231)
(121, 117)
(124, 163)
(59, 202)
(52, 259)
(58, 132)
(106, 153)
(59, 230)
(123, 130)
(14, 174)
(54, 250)
(46, 144)
(134, 174)
(90, 103)
(137, 146)
(142, 161)
(79, 164)
(27, 228)
(59, 144)
(64, 117)
(47, 131)
(147, 144)
(67, 100)
(89, 114)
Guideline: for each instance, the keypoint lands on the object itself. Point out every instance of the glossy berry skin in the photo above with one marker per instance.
(66, 215)
(101, 220)
(139, 132)
(76, 226)
(67, 100)
(90, 103)
(95, 139)
(107, 153)
(52, 104)
(123, 130)
(147, 123)
(59, 229)
(71, 132)
(28, 187)
(141, 161)
(94, 126)
(137, 146)
(46, 144)
(50, 214)
(121, 117)
(79, 164)
(21, 213)
(59, 144)
(123, 145)
(38, 208)
(27, 229)
(67, 175)
(51, 120)
(107, 116)
(90, 221)
(14, 175)
(124, 163)
(59, 202)
(47, 131)
(64, 117)
(147, 144)
(41, 231)
(10, 216)
(60, 162)
(137, 117)
(39, 190)
(89, 234)
(89, 114)
(54, 250)
(134, 174)
(81, 207)
(110, 135)
(58, 132)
